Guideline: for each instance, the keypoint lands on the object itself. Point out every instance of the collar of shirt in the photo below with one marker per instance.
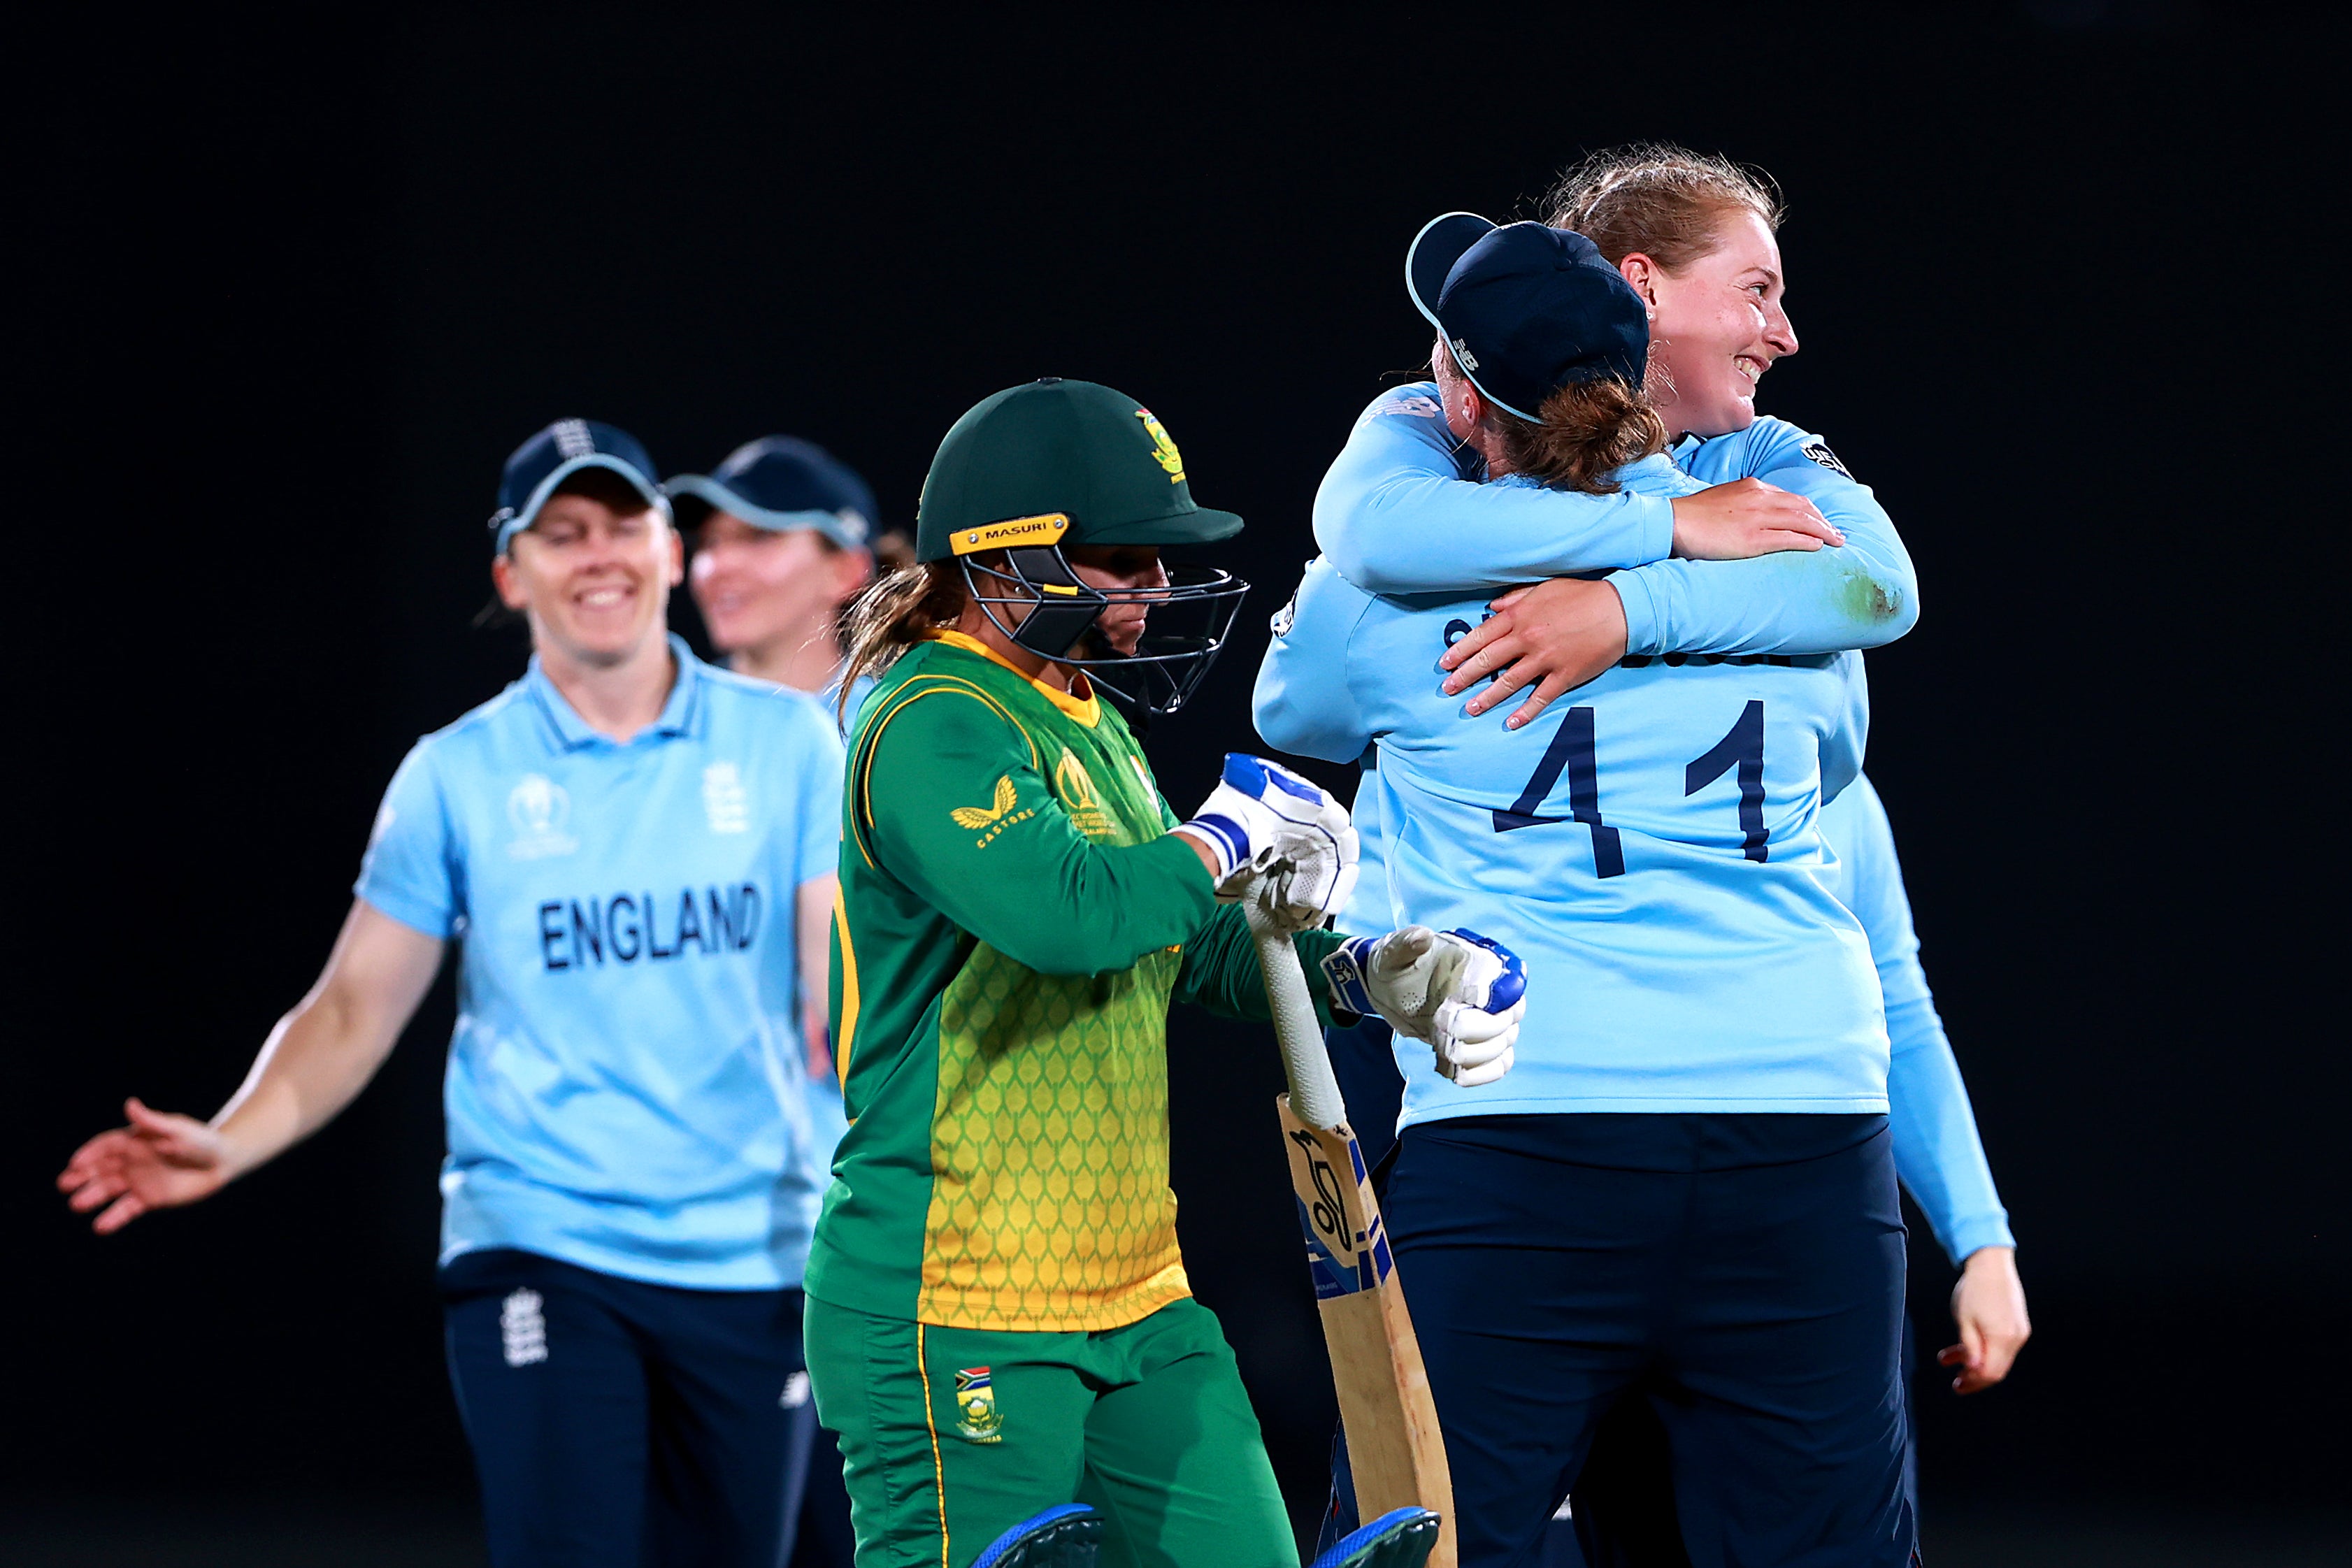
(1086, 709)
(572, 733)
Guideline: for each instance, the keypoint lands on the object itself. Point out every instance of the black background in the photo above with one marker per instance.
(2070, 291)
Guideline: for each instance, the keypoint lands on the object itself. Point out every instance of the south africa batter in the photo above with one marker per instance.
(999, 1318)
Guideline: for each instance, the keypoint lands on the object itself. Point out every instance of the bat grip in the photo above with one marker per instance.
(1314, 1089)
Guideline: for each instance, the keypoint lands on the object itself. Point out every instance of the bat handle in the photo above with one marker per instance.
(1314, 1089)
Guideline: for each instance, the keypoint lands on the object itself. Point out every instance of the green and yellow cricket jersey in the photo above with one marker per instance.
(1012, 923)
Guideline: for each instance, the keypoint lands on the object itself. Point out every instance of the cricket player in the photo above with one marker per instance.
(1000, 1326)
(1623, 1516)
(783, 537)
(1705, 1128)
(635, 854)
(1692, 233)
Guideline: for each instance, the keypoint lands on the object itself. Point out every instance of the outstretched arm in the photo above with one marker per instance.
(314, 1063)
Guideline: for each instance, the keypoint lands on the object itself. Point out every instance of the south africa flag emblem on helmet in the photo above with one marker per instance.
(977, 1420)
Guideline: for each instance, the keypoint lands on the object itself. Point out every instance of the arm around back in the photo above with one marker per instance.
(1395, 515)
(1862, 594)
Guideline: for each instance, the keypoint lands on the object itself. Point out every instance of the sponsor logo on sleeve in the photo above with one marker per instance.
(992, 819)
(1819, 451)
(978, 1420)
(538, 809)
(1404, 405)
(981, 816)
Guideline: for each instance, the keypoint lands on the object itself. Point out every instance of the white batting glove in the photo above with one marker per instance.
(1462, 993)
(1279, 840)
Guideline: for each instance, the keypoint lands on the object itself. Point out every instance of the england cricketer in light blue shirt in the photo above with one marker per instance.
(627, 1089)
(1650, 851)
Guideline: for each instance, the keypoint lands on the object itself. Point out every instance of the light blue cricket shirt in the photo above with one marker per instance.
(627, 1088)
(1647, 846)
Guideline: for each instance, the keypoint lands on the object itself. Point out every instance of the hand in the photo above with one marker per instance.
(1457, 990)
(1988, 1305)
(1271, 837)
(1747, 518)
(1559, 634)
(160, 1161)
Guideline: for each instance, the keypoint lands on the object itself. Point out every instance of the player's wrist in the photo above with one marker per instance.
(1201, 850)
(1346, 971)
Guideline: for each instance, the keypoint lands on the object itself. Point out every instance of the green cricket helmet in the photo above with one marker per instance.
(1057, 463)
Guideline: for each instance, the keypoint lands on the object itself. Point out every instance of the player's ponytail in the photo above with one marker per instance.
(1589, 429)
(892, 616)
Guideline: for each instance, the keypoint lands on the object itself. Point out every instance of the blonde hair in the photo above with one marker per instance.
(893, 614)
(1663, 201)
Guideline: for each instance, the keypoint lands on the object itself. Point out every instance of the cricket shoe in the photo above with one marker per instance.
(1063, 1537)
(1401, 1538)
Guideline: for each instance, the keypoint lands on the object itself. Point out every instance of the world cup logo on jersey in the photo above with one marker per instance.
(1076, 789)
(977, 1418)
(538, 808)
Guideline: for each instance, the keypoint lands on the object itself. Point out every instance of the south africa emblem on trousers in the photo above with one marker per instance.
(977, 1419)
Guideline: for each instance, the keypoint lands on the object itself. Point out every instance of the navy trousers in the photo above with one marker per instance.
(617, 1424)
(1745, 1272)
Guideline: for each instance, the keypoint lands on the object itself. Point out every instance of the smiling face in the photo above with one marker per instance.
(1717, 325)
(762, 589)
(591, 575)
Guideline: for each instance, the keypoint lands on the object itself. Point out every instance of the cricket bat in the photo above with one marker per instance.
(1394, 1446)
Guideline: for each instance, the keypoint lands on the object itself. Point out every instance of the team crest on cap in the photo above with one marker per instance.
(977, 1418)
(1163, 449)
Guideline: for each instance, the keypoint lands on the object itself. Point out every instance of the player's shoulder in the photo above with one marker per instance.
(764, 709)
(937, 689)
(1654, 474)
(1773, 442)
(481, 727)
(1413, 401)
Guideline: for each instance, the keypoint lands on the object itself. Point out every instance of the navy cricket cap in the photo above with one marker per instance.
(1528, 309)
(557, 453)
(781, 482)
